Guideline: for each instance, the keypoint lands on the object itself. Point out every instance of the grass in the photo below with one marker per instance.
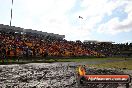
(119, 65)
(86, 59)
(49, 60)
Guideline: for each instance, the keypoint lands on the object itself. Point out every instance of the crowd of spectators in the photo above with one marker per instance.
(15, 44)
(111, 49)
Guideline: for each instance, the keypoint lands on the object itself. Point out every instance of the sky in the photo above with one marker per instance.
(101, 20)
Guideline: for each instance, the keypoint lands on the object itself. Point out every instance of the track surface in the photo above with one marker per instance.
(47, 75)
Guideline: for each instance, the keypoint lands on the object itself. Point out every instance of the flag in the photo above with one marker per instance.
(80, 17)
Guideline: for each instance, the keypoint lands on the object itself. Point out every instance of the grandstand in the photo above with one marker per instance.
(19, 42)
(97, 42)
(109, 48)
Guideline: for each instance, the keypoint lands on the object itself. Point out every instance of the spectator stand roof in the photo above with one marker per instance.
(97, 42)
(8, 28)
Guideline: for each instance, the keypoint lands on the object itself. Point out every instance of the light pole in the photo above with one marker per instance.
(11, 13)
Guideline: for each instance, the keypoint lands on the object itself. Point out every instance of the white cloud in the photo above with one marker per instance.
(50, 16)
(109, 27)
(42, 14)
(94, 11)
(114, 26)
(53, 16)
(99, 7)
